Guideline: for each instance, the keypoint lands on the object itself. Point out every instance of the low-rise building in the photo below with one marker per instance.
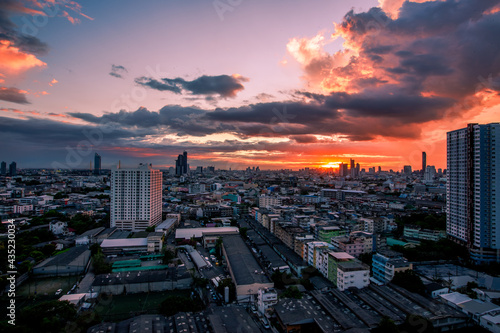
(417, 233)
(385, 265)
(124, 246)
(357, 243)
(58, 227)
(352, 274)
(155, 241)
(325, 233)
(245, 271)
(72, 262)
(266, 298)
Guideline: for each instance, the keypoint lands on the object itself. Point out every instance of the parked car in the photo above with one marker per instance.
(59, 291)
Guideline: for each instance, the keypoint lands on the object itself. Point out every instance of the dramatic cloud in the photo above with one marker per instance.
(13, 95)
(19, 47)
(15, 61)
(223, 85)
(336, 114)
(414, 62)
(118, 71)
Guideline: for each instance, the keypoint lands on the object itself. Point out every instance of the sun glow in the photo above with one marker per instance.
(331, 165)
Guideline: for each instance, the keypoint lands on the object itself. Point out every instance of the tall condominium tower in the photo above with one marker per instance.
(3, 168)
(473, 177)
(13, 169)
(136, 197)
(424, 161)
(97, 164)
(181, 164)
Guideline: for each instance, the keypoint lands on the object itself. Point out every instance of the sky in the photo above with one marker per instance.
(236, 83)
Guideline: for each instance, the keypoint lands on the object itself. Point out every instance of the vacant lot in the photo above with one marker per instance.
(116, 308)
(46, 286)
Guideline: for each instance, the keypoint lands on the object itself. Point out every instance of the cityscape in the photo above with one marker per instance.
(230, 166)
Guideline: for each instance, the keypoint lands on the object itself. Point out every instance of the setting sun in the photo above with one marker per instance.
(331, 165)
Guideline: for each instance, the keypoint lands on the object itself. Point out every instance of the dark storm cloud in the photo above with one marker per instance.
(223, 85)
(45, 131)
(13, 95)
(405, 108)
(294, 119)
(274, 113)
(118, 71)
(441, 46)
(304, 138)
(157, 85)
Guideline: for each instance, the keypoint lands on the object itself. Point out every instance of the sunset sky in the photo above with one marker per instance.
(237, 83)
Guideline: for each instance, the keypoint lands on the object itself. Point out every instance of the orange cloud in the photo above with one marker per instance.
(70, 18)
(54, 81)
(15, 61)
(317, 63)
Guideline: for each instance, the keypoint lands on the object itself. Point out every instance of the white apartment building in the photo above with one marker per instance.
(136, 197)
(352, 274)
(267, 201)
(313, 250)
(266, 298)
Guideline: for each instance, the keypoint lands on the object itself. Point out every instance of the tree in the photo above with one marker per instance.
(282, 279)
(200, 282)
(410, 281)
(95, 248)
(49, 316)
(48, 249)
(100, 265)
(60, 195)
(168, 255)
(292, 292)
(243, 232)
(174, 304)
(81, 223)
(218, 248)
(232, 288)
(150, 229)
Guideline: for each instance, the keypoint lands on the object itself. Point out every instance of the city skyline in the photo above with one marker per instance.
(332, 82)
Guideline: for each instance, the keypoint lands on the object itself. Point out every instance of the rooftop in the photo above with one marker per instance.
(242, 262)
(351, 266)
(341, 255)
(188, 233)
(124, 242)
(66, 258)
(232, 319)
(302, 311)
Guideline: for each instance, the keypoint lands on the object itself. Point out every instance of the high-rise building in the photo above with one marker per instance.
(424, 161)
(181, 165)
(472, 179)
(407, 170)
(3, 168)
(343, 170)
(136, 195)
(97, 164)
(13, 169)
(430, 173)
